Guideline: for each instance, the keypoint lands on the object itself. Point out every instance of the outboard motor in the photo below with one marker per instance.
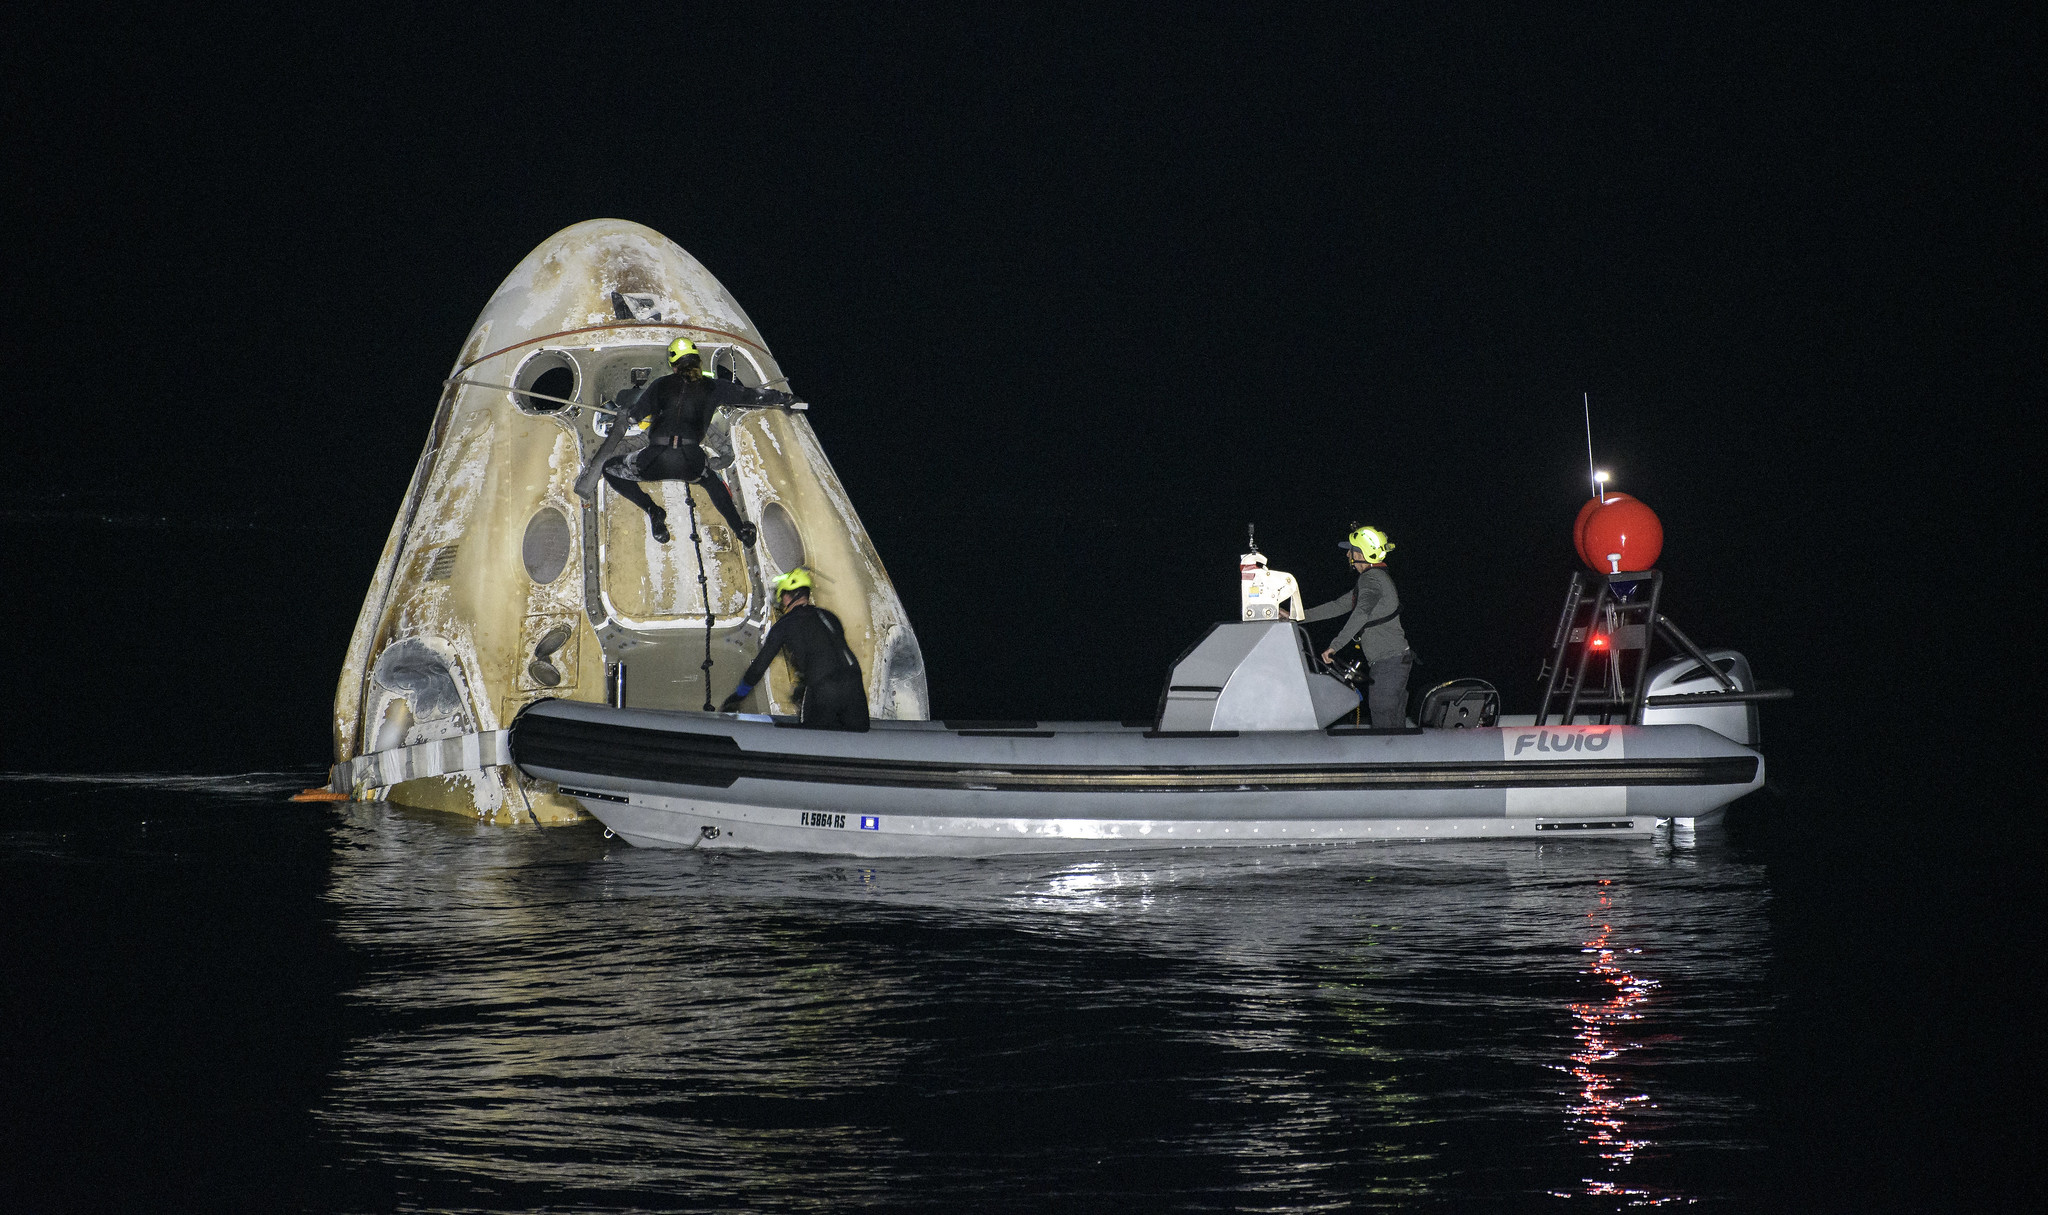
(1685, 676)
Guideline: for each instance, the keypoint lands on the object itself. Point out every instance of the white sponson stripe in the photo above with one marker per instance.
(463, 753)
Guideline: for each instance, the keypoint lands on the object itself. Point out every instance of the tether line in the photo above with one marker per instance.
(703, 590)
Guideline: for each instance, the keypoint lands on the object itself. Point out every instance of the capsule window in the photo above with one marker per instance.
(785, 543)
(548, 373)
(545, 548)
(733, 363)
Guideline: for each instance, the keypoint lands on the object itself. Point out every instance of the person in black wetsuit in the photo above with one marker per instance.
(834, 696)
(674, 411)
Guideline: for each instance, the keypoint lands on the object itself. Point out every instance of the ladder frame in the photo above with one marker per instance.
(1586, 601)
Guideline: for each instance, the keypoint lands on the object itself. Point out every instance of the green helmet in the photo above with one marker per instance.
(1370, 541)
(798, 579)
(680, 349)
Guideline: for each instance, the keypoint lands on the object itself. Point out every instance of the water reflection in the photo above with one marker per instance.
(1602, 1110)
(554, 1018)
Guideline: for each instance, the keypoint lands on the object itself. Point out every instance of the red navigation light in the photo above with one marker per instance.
(1599, 641)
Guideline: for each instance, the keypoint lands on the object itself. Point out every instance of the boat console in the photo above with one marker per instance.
(1252, 675)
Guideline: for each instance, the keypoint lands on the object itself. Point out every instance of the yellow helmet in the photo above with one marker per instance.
(1370, 541)
(798, 579)
(680, 349)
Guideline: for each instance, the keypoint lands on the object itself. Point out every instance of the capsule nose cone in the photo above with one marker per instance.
(606, 273)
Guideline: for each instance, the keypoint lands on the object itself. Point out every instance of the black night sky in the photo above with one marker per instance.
(1074, 299)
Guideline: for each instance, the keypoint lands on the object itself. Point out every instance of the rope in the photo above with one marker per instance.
(794, 407)
(525, 392)
(703, 592)
(514, 778)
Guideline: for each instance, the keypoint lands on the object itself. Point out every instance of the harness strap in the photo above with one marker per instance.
(845, 651)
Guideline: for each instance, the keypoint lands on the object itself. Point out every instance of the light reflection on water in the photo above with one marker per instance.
(561, 1018)
(1602, 1111)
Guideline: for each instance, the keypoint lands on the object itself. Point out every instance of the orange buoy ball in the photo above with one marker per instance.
(1579, 524)
(1624, 527)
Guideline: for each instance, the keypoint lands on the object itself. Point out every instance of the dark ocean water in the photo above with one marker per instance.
(224, 1001)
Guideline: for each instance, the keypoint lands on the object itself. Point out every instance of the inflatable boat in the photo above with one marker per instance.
(690, 780)
(1252, 744)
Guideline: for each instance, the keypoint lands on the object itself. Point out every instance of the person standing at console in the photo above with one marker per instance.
(672, 414)
(1374, 607)
(833, 694)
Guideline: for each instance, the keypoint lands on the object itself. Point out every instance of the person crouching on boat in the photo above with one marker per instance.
(1374, 608)
(659, 437)
(833, 695)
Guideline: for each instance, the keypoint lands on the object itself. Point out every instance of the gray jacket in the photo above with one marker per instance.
(1373, 599)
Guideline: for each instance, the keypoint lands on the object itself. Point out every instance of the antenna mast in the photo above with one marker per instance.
(1591, 476)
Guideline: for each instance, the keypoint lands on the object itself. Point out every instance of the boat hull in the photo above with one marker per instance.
(694, 780)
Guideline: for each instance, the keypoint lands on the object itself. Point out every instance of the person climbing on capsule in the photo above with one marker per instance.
(833, 695)
(1374, 608)
(659, 436)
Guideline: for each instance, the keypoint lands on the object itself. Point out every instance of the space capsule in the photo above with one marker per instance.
(500, 586)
